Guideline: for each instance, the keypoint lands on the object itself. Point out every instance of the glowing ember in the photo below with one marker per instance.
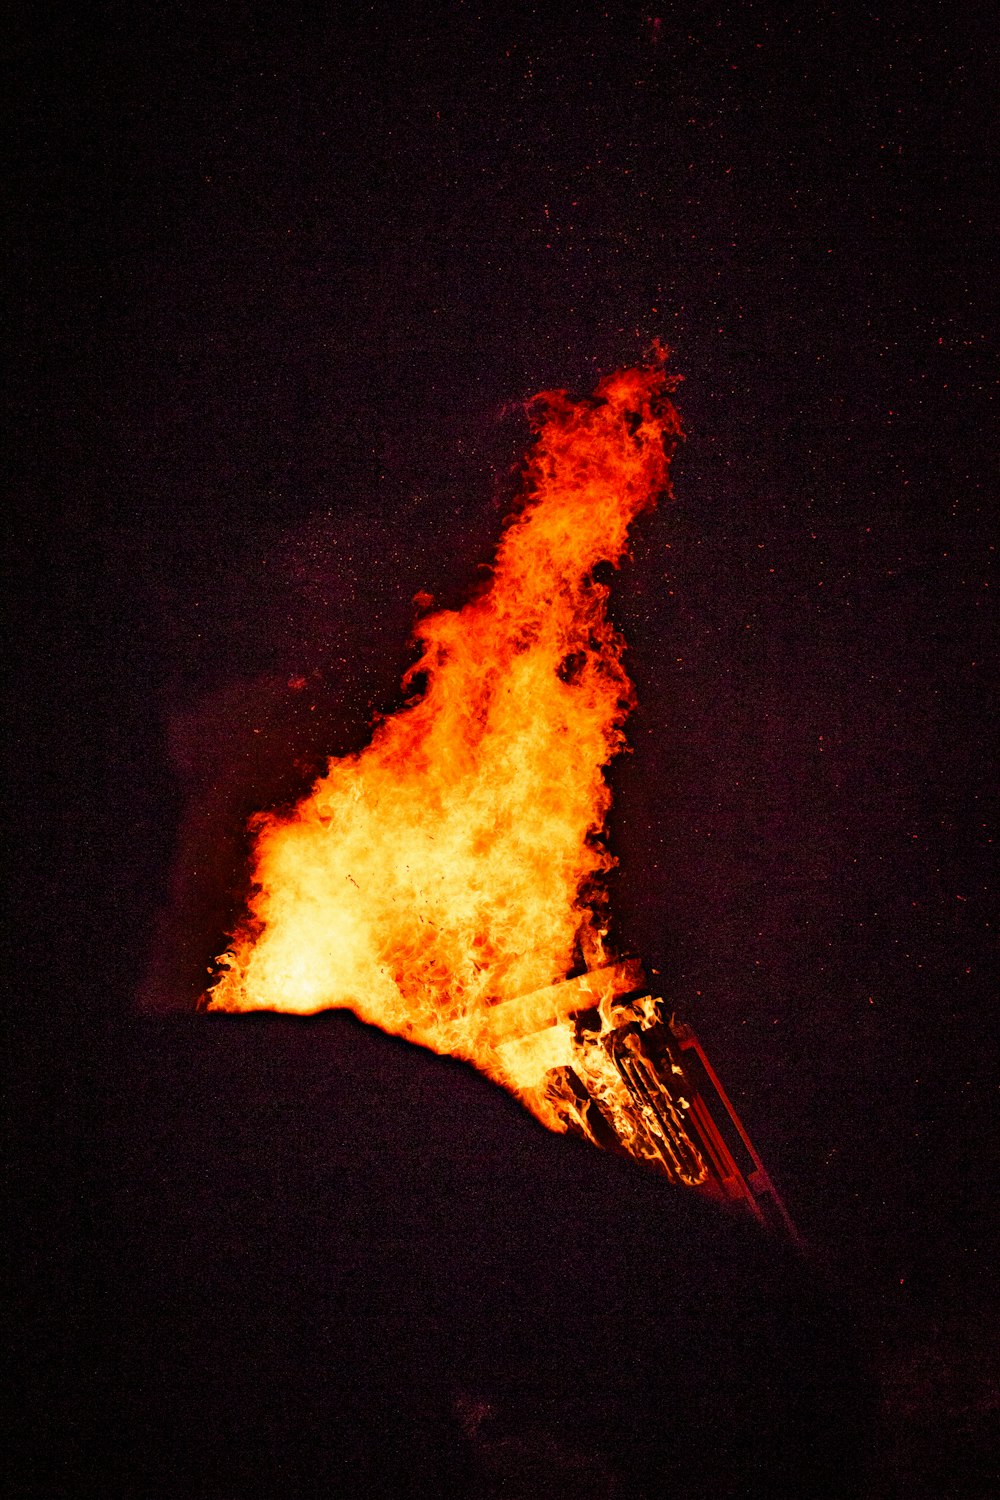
(454, 866)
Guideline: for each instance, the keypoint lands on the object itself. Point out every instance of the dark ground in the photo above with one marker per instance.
(278, 293)
(314, 1261)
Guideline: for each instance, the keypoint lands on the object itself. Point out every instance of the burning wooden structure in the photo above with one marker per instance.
(633, 1079)
(437, 882)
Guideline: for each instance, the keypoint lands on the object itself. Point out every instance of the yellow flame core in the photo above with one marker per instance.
(446, 868)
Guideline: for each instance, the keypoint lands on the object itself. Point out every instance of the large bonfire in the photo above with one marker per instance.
(455, 864)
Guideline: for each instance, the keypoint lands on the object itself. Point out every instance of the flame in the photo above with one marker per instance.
(454, 866)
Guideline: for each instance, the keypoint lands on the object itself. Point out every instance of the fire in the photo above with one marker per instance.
(453, 867)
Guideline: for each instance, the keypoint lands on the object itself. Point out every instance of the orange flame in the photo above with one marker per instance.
(454, 865)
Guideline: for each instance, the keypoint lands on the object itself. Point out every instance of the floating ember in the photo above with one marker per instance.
(446, 882)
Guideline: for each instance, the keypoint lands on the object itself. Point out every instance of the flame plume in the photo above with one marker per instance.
(454, 865)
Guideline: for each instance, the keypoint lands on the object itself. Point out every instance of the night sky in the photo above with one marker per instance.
(281, 290)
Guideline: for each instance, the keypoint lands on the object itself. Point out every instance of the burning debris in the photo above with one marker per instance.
(636, 1081)
(444, 882)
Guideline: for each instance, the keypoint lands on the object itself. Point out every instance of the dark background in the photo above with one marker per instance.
(279, 292)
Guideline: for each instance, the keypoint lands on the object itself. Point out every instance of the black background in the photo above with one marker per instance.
(280, 291)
